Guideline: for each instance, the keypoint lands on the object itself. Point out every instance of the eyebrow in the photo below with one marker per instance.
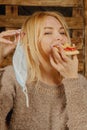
(52, 27)
(48, 28)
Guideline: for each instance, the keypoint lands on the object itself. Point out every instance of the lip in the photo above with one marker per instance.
(57, 44)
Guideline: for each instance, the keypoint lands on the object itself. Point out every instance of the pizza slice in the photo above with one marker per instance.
(70, 49)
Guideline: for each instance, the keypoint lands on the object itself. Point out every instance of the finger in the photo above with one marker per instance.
(63, 55)
(8, 50)
(18, 36)
(66, 60)
(22, 34)
(56, 55)
(75, 58)
(2, 40)
(58, 67)
(10, 33)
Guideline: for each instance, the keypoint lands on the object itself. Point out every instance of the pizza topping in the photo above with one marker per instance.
(70, 49)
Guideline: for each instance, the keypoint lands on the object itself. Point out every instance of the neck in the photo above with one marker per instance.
(50, 76)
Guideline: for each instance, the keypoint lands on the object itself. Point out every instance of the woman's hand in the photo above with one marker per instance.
(66, 66)
(6, 43)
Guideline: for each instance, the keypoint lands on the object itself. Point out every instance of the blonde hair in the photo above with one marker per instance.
(32, 27)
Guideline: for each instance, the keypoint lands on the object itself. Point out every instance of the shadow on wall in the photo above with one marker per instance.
(28, 10)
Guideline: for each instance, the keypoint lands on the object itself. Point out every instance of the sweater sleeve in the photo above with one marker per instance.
(76, 96)
(6, 97)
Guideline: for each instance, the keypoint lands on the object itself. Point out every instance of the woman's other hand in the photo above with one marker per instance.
(8, 40)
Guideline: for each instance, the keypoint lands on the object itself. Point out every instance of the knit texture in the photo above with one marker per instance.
(62, 107)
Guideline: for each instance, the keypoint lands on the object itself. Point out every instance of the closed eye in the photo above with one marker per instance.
(63, 33)
(47, 33)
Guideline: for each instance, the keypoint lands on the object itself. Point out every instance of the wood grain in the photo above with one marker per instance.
(63, 3)
(10, 21)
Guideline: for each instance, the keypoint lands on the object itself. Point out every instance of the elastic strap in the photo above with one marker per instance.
(26, 95)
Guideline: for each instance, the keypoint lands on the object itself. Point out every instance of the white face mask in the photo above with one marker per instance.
(20, 68)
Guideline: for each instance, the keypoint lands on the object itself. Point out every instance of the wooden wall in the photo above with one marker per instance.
(77, 21)
(85, 3)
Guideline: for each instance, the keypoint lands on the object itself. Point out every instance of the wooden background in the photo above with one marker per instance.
(14, 12)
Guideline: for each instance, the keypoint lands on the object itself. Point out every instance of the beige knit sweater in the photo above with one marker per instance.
(62, 107)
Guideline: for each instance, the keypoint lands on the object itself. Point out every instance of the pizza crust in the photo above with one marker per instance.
(72, 52)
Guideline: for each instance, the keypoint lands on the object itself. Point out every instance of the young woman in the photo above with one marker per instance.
(43, 90)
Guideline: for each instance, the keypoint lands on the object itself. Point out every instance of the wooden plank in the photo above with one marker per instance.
(68, 3)
(78, 12)
(17, 21)
(81, 62)
(73, 22)
(9, 21)
(85, 1)
(11, 10)
(86, 49)
(81, 56)
(78, 42)
(81, 68)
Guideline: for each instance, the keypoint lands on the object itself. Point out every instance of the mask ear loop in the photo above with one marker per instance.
(20, 68)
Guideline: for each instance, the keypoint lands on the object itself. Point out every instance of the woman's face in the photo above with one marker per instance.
(52, 33)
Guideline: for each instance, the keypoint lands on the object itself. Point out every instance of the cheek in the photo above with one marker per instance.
(46, 46)
(65, 39)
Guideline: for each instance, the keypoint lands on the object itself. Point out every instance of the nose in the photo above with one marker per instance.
(58, 36)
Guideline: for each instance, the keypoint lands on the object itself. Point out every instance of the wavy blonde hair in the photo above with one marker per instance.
(32, 27)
